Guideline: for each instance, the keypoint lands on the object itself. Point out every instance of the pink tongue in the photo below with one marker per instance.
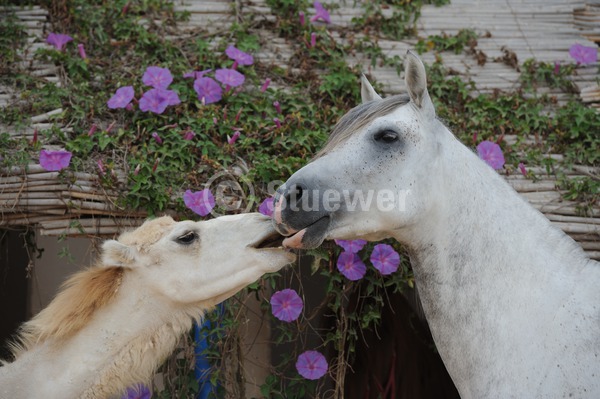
(294, 241)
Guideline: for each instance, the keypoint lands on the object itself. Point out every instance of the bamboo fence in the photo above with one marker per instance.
(76, 204)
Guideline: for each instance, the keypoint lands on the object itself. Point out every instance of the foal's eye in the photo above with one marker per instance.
(187, 238)
(386, 136)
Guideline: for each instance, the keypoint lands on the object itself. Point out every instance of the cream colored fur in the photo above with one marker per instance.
(113, 324)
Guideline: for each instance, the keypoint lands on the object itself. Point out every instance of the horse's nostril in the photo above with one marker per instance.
(295, 193)
(298, 191)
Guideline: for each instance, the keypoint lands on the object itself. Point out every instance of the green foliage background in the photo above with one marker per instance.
(123, 37)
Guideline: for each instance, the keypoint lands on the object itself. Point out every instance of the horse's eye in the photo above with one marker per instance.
(187, 238)
(386, 136)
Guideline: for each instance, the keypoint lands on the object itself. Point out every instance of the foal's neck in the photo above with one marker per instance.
(122, 345)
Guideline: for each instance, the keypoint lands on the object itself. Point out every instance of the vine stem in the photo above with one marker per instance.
(341, 366)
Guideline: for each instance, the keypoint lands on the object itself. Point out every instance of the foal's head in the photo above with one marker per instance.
(191, 262)
(372, 176)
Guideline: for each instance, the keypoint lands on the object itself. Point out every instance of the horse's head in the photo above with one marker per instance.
(191, 262)
(372, 177)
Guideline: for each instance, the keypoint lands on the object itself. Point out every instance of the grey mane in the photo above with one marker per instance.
(360, 116)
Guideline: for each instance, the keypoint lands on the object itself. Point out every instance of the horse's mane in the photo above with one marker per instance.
(360, 116)
(79, 297)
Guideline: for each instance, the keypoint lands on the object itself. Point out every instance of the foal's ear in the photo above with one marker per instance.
(367, 92)
(115, 253)
(416, 84)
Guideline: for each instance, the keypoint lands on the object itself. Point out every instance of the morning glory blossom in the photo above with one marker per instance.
(286, 305)
(522, 169)
(139, 391)
(312, 365)
(229, 77)
(58, 40)
(351, 266)
(121, 98)
(266, 207)
(351, 245)
(491, 153)
(321, 13)
(208, 90)
(189, 135)
(81, 51)
(201, 202)
(240, 57)
(265, 85)
(583, 54)
(156, 137)
(55, 160)
(313, 40)
(385, 259)
(231, 140)
(159, 78)
(157, 100)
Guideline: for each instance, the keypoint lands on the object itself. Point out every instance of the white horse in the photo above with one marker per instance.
(513, 303)
(115, 323)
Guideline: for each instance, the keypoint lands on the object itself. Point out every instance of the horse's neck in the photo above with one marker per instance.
(124, 342)
(479, 220)
(480, 255)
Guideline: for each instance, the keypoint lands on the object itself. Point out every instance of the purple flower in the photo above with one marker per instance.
(313, 40)
(277, 122)
(583, 54)
(159, 78)
(351, 245)
(301, 18)
(522, 169)
(55, 160)
(240, 57)
(265, 85)
(81, 50)
(189, 135)
(101, 167)
(385, 259)
(351, 266)
(311, 365)
(157, 100)
(208, 90)
(321, 13)
(286, 305)
(156, 137)
(491, 154)
(266, 207)
(172, 97)
(58, 40)
(229, 77)
(231, 140)
(277, 106)
(201, 202)
(121, 98)
(139, 391)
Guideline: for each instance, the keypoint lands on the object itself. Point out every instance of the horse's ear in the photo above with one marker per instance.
(367, 92)
(416, 84)
(115, 253)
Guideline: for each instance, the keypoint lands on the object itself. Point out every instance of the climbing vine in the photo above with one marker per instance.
(266, 122)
